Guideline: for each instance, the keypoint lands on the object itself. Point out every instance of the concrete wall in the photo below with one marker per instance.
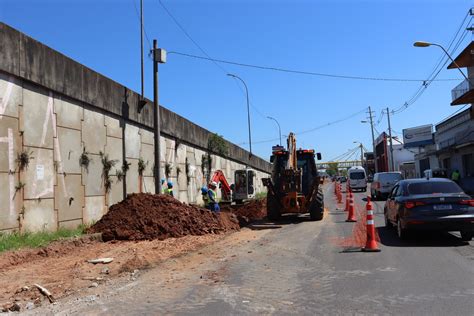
(53, 110)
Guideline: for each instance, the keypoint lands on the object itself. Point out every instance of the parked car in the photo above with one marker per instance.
(429, 204)
(342, 179)
(436, 173)
(383, 184)
(357, 178)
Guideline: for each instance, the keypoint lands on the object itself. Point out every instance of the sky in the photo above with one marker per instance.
(370, 39)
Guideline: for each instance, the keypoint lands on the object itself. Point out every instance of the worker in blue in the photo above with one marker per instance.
(169, 190)
(205, 197)
(212, 194)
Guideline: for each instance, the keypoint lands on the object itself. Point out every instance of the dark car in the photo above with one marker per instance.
(429, 204)
(342, 179)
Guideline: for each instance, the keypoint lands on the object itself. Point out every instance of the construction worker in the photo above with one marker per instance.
(455, 176)
(205, 197)
(169, 190)
(163, 188)
(212, 194)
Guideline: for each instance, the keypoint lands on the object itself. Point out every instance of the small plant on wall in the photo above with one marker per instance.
(141, 169)
(188, 171)
(142, 164)
(217, 144)
(84, 160)
(206, 164)
(178, 171)
(123, 172)
(23, 159)
(107, 165)
(18, 187)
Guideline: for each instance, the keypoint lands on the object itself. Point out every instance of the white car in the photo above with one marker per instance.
(383, 184)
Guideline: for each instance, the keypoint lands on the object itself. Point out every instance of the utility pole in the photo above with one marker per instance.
(159, 56)
(361, 154)
(373, 138)
(392, 163)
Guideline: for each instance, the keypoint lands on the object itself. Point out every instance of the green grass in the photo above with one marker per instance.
(261, 195)
(15, 241)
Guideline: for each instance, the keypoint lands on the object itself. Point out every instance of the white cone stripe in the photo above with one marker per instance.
(370, 212)
(370, 222)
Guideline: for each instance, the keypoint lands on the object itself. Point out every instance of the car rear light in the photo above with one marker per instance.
(467, 202)
(376, 185)
(415, 222)
(412, 204)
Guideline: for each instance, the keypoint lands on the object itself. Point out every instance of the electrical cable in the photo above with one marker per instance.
(302, 72)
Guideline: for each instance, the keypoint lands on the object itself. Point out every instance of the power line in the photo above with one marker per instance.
(311, 129)
(175, 20)
(301, 72)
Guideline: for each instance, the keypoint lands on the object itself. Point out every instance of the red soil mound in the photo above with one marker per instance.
(146, 216)
(251, 211)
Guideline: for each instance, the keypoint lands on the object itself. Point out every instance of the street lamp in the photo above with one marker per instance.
(248, 108)
(279, 129)
(427, 44)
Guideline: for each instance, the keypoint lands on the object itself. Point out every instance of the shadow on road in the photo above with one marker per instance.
(286, 219)
(388, 237)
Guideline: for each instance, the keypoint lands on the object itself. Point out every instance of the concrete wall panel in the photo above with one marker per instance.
(70, 150)
(9, 202)
(93, 132)
(92, 179)
(132, 176)
(69, 197)
(148, 185)
(94, 209)
(39, 177)
(10, 95)
(147, 137)
(74, 224)
(147, 154)
(114, 150)
(113, 127)
(132, 142)
(10, 143)
(39, 215)
(38, 117)
(116, 192)
(68, 113)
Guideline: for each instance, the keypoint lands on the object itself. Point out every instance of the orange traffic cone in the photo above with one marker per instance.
(346, 208)
(350, 215)
(335, 187)
(371, 244)
(339, 193)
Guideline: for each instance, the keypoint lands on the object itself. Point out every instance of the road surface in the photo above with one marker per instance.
(301, 268)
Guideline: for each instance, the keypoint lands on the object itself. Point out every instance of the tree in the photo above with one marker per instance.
(332, 168)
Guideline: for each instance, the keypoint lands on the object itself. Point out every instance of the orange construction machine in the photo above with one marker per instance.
(295, 184)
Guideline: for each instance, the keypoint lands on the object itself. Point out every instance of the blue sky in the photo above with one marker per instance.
(355, 38)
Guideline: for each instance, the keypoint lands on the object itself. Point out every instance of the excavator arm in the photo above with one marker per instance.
(219, 177)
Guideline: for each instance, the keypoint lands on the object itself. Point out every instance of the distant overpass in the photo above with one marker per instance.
(340, 164)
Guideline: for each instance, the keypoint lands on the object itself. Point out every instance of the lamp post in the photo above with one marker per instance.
(427, 44)
(279, 129)
(159, 57)
(248, 108)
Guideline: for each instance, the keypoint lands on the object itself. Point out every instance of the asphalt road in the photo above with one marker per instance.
(304, 268)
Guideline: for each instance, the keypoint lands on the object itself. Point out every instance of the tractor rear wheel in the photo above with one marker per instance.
(316, 208)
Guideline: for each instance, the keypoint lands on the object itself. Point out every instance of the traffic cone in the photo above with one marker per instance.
(350, 215)
(371, 244)
(339, 193)
(346, 208)
(335, 188)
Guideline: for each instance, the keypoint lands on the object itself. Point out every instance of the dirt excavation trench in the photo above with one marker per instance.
(137, 233)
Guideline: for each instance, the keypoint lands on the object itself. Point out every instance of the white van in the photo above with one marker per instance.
(357, 178)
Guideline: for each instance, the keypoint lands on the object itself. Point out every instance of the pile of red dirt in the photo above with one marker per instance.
(145, 216)
(248, 212)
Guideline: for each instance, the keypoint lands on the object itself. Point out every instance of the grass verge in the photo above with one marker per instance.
(261, 195)
(15, 241)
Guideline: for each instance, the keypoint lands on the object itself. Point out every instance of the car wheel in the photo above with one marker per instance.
(388, 223)
(401, 232)
(466, 236)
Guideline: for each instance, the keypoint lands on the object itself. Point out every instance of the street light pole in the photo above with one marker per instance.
(361, 152)
(279, 129)
(248, 108)
(427, 44)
